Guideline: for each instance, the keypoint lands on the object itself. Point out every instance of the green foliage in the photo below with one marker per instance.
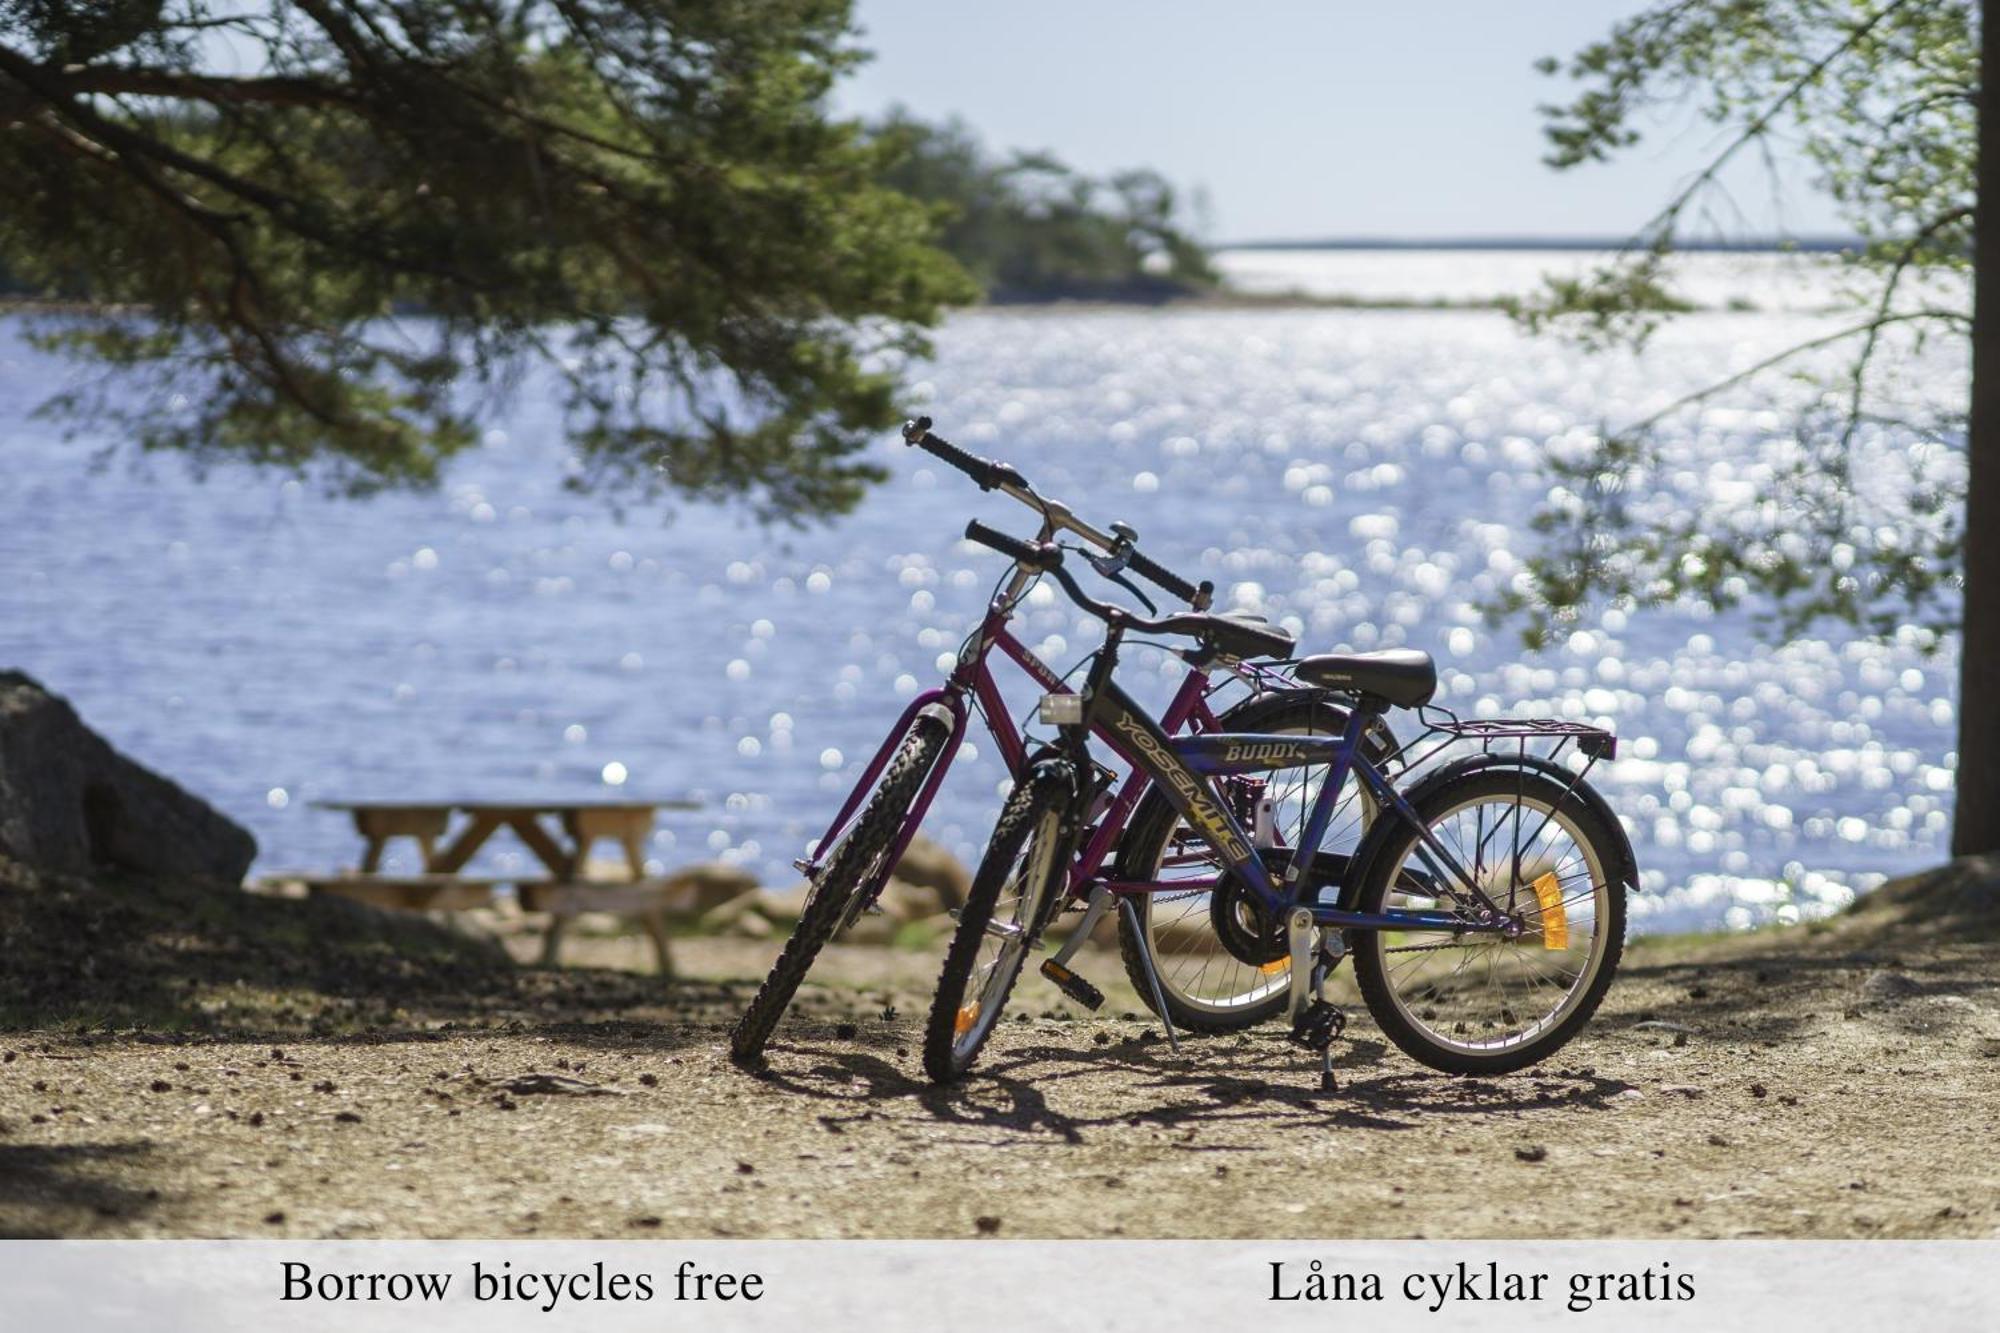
(345, 253)
(1030, 228)
(1619, 302)
(1846, 519)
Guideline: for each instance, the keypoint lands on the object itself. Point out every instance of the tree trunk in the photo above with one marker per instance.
(1976, 822)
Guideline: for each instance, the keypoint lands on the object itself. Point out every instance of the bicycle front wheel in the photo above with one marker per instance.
(855, 867)
(1023, 864)
(1475, 1002)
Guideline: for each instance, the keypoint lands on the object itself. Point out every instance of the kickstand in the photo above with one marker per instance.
(1131, 915)
(1326, 1083)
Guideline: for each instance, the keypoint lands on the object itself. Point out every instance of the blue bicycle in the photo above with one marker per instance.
(1484, 907)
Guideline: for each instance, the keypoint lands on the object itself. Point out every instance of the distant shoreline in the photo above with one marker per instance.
(1766, 245)
(1226, 300)
(1160, 297)
(1198, 301)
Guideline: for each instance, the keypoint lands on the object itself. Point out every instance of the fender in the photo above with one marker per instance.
(1625, 871)
(1051, 768)
(1382, 746)
(949, 710)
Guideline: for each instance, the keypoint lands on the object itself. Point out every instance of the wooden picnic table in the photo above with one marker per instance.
(559, 833)
(581, 822)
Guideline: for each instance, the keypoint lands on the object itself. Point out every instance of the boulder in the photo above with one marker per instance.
(699, 889)
(784, 906)
(763, 904)
(725, 915)
(872, 928)
(912, 902)
(927, 865)
(70, 803)
(751, 926)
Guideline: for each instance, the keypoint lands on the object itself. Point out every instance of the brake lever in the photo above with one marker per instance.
(1112, 567)
(1110, 563)
(1127, 585)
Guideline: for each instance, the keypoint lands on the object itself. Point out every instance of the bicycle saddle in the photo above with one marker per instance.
(1405, 677)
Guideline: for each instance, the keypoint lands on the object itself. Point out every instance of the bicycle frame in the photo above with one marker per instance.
(1179, 766)
(972, 684)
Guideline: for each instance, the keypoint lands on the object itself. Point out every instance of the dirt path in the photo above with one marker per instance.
(1837, 1082)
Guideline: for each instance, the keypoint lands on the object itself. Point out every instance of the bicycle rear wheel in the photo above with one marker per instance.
(1470, 1002)
(856, 866)
(1024, 862)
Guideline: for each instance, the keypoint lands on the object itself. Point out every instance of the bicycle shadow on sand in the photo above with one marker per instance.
(1041, 1088)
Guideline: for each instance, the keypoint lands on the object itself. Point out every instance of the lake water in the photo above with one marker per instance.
(1365, 476)
(1710, 279)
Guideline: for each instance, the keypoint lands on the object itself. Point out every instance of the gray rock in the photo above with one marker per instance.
(912, 902)
(1884, 985)
(70, 803)
(524, 1085)
(870, 928)
(926, 864)
(698, 889)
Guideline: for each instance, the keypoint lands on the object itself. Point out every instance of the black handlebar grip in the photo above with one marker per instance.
(1161, 577)
(918, 432)
(1027, 553)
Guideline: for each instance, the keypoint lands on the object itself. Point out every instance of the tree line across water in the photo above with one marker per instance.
(1024, 226)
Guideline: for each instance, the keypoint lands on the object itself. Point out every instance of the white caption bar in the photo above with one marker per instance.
(971, 1286)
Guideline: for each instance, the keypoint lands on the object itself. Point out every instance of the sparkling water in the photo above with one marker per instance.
(1365, 477)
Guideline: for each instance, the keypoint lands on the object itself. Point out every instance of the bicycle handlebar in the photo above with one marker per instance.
(992, 475)
(1043, 556)
(1161, 577)
(987, 472)
(1047, 558)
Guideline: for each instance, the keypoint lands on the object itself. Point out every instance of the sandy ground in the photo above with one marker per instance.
(1832, 1081)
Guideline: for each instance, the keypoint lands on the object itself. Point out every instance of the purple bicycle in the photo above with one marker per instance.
(1485, 909)
(1174, 947)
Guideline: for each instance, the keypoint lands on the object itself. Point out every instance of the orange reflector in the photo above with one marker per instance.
(1276, 966)
(968, 1014)
(1555, 924)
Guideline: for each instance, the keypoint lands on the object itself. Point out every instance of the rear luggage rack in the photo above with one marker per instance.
(1576, 746)
(1595, 742)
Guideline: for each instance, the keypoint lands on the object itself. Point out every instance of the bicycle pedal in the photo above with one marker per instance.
(1072, 985)
(1318, 1026)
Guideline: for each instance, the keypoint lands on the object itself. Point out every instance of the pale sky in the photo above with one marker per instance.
(1301, 119)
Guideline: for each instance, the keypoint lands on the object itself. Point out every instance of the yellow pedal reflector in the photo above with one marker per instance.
(1275, 966)
(1555, 923)
(968, 1014)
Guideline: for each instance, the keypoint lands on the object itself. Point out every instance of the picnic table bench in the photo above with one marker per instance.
(560, 834)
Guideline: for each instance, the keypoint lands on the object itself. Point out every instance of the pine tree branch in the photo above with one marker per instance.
(219, 90)
(1761, 123)
(1906, 256)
